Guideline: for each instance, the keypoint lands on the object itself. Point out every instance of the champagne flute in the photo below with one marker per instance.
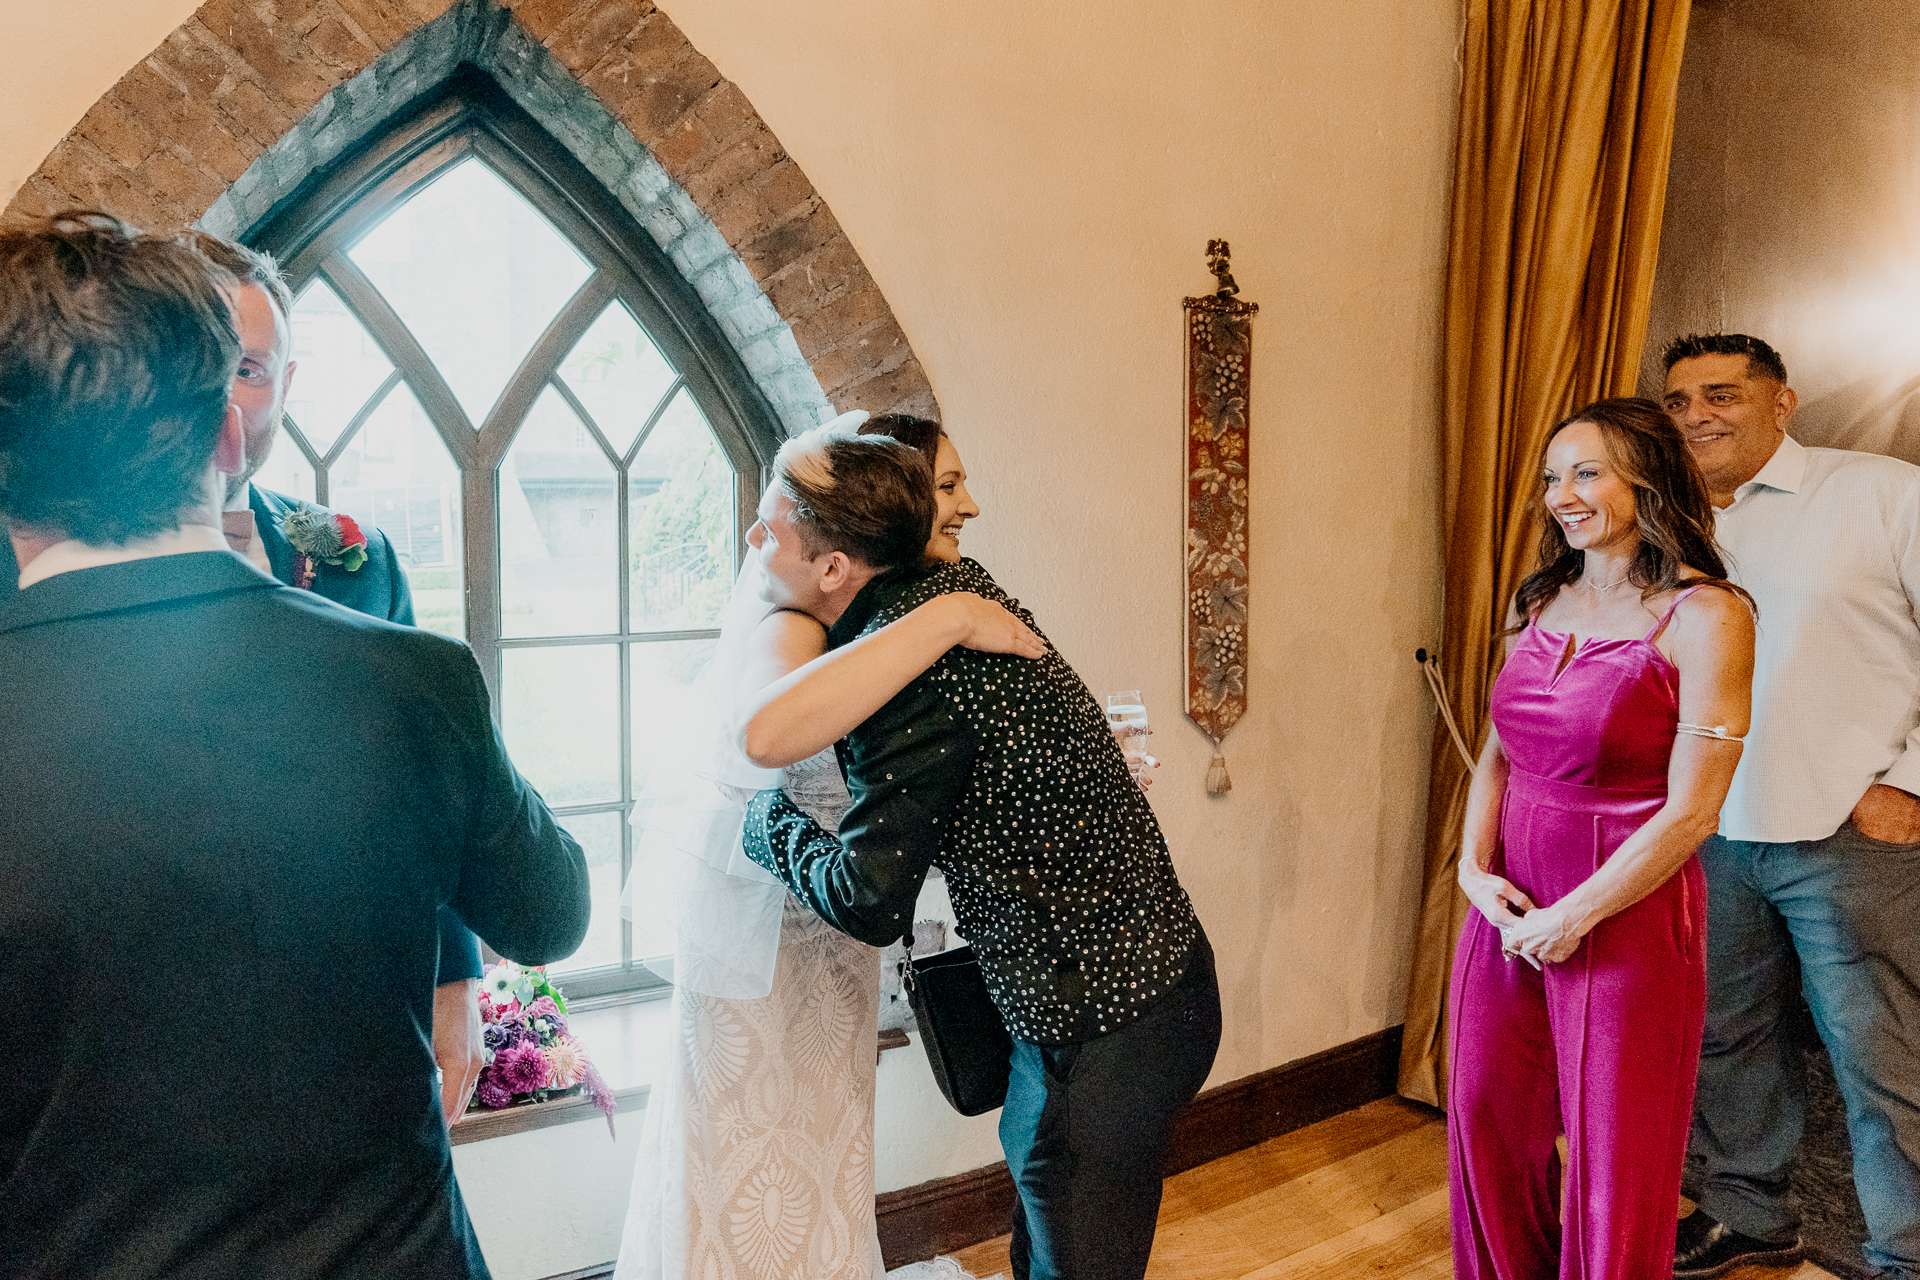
(1127, 717)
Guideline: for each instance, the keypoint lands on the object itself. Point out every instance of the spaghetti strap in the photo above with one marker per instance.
(1661, 625)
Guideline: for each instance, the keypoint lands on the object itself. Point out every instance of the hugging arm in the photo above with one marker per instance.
(907, 771)
(806, 708)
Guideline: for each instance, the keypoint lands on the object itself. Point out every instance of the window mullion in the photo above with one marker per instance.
(387, 329)
(516, 400)
(359, 420)
(480, 533)
(653, 420)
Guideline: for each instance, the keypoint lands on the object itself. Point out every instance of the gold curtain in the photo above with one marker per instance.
(1560, 175)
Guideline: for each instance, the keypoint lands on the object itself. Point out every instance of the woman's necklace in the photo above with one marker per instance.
(1598, 587)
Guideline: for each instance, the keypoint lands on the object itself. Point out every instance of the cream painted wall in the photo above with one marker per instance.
(1033, 186)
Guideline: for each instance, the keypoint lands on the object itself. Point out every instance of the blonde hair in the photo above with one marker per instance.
(804, 460)
(869, 496)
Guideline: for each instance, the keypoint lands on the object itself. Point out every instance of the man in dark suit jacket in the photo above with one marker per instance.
(229, 813)
(255, 522)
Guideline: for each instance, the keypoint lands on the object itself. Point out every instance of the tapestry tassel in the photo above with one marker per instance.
(1218, 783)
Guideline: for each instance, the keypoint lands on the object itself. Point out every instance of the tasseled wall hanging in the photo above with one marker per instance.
(1219, 358)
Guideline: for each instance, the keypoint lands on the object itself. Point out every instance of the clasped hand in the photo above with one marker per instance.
(1536, 934)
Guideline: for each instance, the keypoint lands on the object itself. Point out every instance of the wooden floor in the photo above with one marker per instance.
(1361, 1195)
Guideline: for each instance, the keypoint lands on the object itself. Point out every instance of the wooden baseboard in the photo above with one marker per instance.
(952, 1213)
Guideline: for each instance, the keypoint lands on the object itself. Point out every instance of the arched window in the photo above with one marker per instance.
(498, 369)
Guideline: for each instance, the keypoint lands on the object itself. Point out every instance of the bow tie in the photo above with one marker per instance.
(238, 526)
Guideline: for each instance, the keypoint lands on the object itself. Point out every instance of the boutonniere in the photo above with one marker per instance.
(323, 536)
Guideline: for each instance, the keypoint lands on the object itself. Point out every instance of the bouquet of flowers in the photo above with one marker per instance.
(531, 1056)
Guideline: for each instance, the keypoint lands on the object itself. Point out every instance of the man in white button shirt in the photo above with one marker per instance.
(1814, 879)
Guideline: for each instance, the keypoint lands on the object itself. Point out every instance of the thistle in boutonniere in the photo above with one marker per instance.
(324, 536)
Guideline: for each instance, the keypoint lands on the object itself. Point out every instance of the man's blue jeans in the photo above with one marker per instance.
(1086, 1128)
(1838, 920)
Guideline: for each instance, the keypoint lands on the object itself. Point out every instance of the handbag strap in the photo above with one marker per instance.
(906, 963)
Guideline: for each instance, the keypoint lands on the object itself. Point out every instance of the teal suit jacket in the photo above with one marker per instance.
(229, 811)
(378, 588)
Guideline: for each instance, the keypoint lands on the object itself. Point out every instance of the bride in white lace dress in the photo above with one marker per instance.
(756, 1156)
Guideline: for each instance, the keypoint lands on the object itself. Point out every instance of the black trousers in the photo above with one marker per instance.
(1086, 1128)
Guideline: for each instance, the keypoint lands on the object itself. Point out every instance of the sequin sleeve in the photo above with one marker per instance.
(912, 763)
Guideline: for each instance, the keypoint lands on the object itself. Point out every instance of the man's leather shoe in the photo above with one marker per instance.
(1704, 1248)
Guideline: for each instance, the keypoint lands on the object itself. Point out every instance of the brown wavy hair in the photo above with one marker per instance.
(1670, 502)
(117, 352)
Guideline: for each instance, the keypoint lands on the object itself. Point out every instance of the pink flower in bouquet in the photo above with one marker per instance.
(566, 1063)
(491, 1093)
(522, 1068)
(544, 1007)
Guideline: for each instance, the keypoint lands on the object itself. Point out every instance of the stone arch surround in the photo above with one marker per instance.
(247, 97)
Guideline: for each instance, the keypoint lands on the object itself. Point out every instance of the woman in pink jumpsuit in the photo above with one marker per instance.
(1578, 989)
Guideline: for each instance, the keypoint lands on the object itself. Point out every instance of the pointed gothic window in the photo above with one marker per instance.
(498, 369)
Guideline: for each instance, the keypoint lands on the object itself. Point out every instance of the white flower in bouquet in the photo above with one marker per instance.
(504, 982)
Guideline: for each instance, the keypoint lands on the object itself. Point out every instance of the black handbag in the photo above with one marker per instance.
(967, 1043)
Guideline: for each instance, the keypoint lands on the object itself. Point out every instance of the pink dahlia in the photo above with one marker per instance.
(566, 1063)
(522, 1068)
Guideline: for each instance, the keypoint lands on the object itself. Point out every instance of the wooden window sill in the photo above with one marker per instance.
(478, 1126)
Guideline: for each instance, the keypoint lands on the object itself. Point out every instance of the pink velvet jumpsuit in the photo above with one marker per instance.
(1603, 1046)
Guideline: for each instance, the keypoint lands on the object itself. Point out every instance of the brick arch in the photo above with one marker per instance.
(247, 97)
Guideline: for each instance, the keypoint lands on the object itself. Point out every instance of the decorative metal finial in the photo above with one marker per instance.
(1217, 255)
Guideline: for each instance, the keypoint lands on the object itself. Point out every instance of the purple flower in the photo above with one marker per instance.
(505, 1034)
(491, 1093)
(522, 1068)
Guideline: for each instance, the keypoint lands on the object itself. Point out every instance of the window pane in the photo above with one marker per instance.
(339, 366)
(599, 837)
(476, 273)
(560, 717)
(396, 474)
(286, 470)
(618, 375)
(681, 490)
(559, 529)
(667, 706)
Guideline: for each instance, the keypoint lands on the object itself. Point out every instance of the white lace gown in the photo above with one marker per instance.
(756, 1158)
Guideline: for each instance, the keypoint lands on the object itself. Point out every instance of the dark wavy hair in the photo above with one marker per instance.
(1761, 358)
(1670, 502)
(924, 434)
(117, 355)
